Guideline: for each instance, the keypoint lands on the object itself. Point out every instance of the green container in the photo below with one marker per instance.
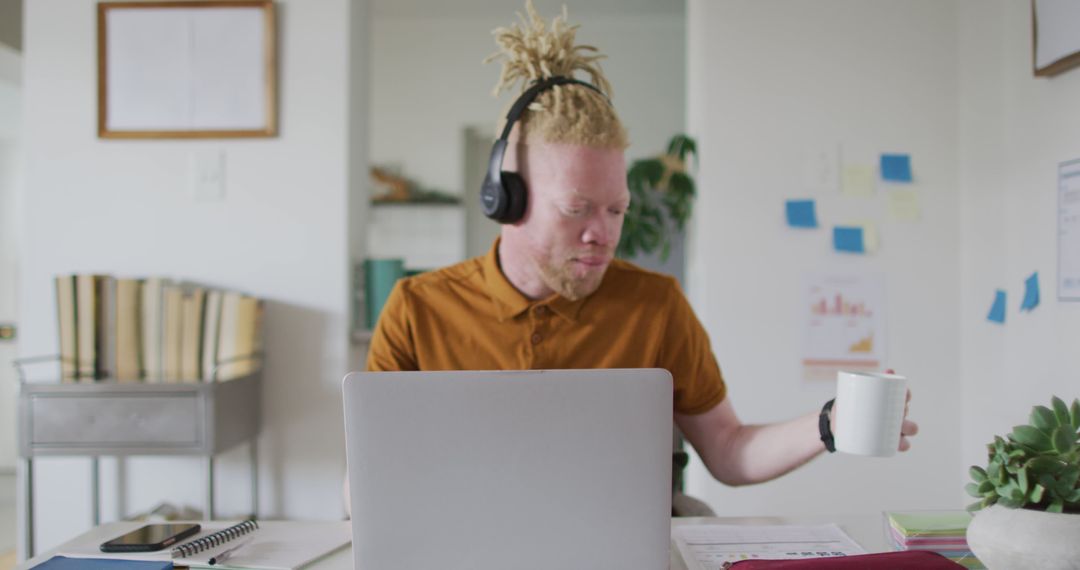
(379, 278)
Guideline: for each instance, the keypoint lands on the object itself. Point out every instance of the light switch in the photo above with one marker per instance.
(821, 165)
(206, 175)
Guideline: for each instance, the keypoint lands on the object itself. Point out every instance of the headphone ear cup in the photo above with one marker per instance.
(493, 199)
(516, 195)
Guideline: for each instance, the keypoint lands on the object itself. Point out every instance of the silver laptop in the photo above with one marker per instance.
(552, 470)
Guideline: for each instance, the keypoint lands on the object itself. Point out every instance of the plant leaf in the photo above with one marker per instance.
(1022, 480)
(1045, 465)
(1064, 439)
(997, 473)
(973, 490)
(648, 171)
(1032, 437)
(1067, 479)
(1037, 493)
(1074, 411)
(978, 474)
(1044, 419)
(682, 145)
(1061, 411)
(1010, 503)
(1056, 506)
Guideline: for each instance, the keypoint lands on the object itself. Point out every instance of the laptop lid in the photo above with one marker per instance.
(510, 469)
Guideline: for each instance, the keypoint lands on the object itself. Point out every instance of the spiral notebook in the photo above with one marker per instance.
(273, 545)
(213, 540)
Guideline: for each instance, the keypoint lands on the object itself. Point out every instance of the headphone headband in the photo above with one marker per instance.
(530, 95)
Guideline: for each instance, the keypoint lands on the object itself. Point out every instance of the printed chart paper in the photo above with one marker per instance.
(844, 325)
(708, 547)
(1069, 231)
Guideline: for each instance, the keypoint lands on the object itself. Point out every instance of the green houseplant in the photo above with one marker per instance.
(1028, 512)
(661, 200)
(1037, 466)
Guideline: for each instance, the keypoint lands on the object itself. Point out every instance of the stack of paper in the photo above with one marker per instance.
(944, 532)
(711, 546)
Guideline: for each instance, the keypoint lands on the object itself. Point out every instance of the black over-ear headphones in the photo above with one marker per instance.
(503, 195)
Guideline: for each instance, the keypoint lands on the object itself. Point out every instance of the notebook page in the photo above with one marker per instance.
(280, 545)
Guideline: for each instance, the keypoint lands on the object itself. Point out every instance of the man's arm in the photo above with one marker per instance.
(740, 454)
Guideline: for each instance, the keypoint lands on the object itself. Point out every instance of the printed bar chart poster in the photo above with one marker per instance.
(845, 325)
(1069, 231)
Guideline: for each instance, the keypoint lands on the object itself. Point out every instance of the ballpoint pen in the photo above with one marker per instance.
(225, 554)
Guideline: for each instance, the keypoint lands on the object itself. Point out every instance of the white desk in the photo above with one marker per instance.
(867, 530)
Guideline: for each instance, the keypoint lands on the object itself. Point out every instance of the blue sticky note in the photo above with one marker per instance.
(896, 167)
(997, 310)
(848, 239)
(800, 214)
(1031, 293)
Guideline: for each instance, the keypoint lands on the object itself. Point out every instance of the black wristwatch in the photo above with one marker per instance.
(824, 428)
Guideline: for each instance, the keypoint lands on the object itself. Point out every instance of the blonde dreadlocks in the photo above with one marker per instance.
(571, 114)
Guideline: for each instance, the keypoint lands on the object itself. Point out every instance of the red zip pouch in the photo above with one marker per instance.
(900, 560)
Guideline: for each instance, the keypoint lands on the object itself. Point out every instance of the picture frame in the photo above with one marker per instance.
(1055, 37)
(187, 69)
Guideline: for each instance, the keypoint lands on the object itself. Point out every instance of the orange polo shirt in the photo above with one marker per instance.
(469, 317)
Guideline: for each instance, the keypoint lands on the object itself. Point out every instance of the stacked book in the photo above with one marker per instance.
(944, 532)
(154, 330)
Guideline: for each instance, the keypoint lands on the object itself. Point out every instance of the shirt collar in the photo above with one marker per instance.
(510, 303)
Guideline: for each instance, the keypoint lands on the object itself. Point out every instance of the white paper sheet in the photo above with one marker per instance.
(186, 69)
(708, 547)
(1069, 231)
(1057, 37)
(844, 323)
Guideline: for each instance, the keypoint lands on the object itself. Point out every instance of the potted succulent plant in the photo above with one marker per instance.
(661, 199)
(1028, 512)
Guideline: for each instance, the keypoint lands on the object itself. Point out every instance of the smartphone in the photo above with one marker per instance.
(150, 538)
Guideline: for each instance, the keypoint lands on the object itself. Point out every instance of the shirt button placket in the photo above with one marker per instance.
(539, 313)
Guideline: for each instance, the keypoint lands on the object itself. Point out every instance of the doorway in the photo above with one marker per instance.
(10, 119)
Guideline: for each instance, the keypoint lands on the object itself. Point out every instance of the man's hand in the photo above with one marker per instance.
(908, 428)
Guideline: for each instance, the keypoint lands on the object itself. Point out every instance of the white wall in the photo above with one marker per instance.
(767, 80)
(281, 233)
(1014, 130)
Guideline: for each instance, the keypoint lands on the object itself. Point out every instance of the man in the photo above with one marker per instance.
(549, 293)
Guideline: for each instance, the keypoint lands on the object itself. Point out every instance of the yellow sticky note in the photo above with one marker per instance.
(858, 180)
(870, 235)
(904, 205)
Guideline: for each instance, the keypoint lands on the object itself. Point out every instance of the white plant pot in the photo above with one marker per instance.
(1011, 539)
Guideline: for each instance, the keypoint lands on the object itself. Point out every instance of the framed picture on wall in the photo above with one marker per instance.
(1055, 36)
(196, 69)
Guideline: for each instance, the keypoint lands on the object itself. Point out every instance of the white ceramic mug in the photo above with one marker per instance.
(869, 412)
